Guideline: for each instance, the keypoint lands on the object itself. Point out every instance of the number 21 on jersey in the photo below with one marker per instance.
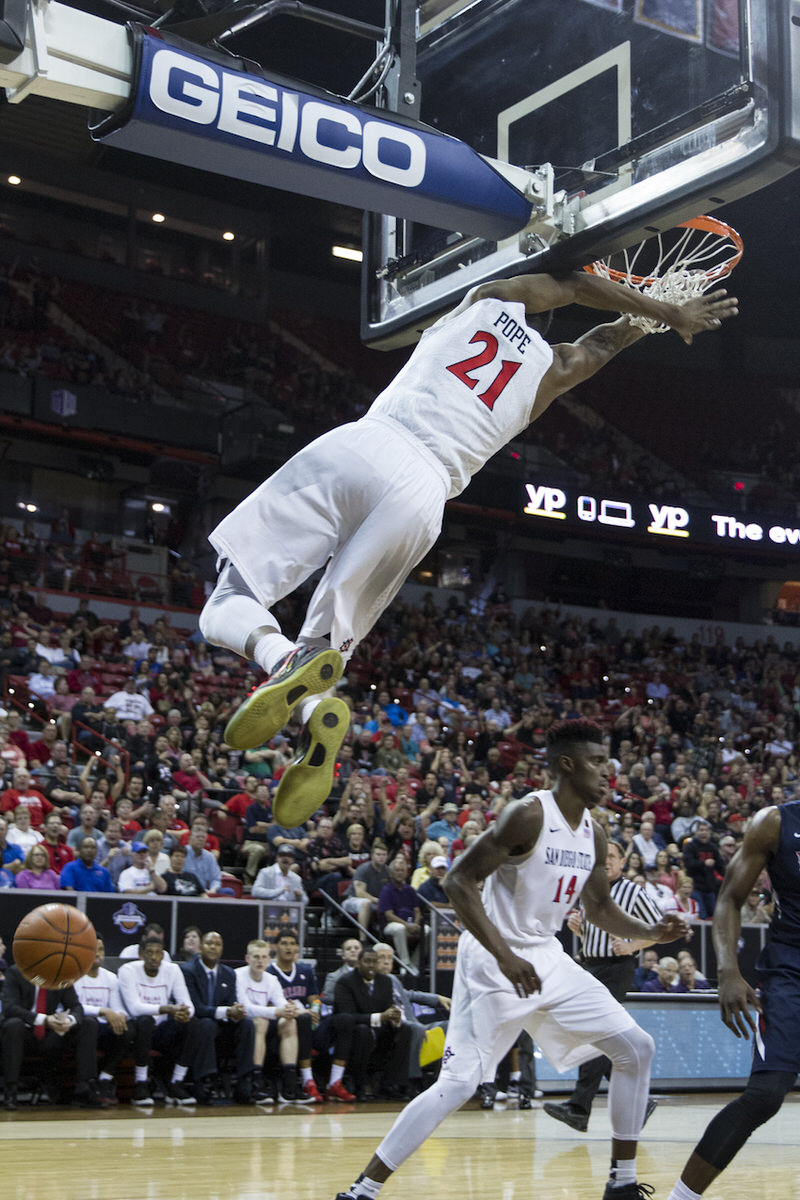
(507, 370)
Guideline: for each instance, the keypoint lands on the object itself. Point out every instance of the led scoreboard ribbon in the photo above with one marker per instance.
(654, 521)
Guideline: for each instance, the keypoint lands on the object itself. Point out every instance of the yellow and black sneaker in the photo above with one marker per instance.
(304, 671)
(307, 782)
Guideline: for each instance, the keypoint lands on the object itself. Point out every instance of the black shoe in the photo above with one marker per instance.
(628, 1191)
(141, 1097)
(570, 1115)
(10, 1100)
(304, 672)
(107, 1091)
(243, 1093)
(203, 1093)
(265, 1092)
(179, 1094)
(87, 1097)
(486, 1095)
(525, 1100)
(652, 1105)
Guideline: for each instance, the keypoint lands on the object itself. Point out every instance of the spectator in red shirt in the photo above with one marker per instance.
(41, 750)
(238, 805)
(17, 736)
(86, 675)
(189, 783)
(25, 796)
(58, 851)
(130, 828)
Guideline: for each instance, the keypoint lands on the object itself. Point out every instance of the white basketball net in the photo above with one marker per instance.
(694, 262)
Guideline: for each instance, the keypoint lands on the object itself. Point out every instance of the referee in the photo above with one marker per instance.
(615, 971)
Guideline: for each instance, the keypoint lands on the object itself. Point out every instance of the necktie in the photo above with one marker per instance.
(211, 982)
(40, 1007)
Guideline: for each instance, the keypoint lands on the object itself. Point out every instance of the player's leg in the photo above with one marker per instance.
(631, 1054)
(485, 1020)
(730, 1129)
(776, 1062)
(398, 520)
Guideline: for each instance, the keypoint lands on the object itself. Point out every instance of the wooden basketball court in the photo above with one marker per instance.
(296, 1154)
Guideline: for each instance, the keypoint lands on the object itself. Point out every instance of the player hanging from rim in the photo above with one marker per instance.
(367, 499)
(542, 854)
(771, 844)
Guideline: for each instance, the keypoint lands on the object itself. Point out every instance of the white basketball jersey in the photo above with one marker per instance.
(470, 386)
(258, 995)
(528, 899)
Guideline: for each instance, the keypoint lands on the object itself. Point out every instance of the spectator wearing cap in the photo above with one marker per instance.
(280, 881)
(432, 890)
(140, 879)
(728, 847)
(446, 825)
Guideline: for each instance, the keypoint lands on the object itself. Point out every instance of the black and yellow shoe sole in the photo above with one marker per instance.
(266, 710)
(307, 782)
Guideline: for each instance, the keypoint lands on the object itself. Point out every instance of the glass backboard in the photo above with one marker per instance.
(632, 115)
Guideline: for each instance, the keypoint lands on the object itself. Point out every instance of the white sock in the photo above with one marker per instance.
(623, 1170)
(270, 649)
(514, 1076)
(682, 1192)
(305, 1074)
(140, 1074)
(366, 1187)
(104, 1075)
(179, 1074)
(307, 707)
(336, 1075)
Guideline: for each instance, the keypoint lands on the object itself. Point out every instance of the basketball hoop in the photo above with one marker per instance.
(681, 264)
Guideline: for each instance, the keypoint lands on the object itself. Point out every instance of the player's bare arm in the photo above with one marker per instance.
(542, 292)
(515, 833)
(601, 910)
(736, 997)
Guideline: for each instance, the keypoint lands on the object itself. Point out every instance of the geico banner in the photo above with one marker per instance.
(220, 114)
(660, 523)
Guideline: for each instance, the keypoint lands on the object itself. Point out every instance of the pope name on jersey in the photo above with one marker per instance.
(466, 409)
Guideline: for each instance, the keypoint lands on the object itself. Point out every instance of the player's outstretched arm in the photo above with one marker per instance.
(602, 911)
(515, 832)
(736, 997)
(542, 292)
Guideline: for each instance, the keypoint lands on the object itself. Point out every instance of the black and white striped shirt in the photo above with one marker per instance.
(634, 901)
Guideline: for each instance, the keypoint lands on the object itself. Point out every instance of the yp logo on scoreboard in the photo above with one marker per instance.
(668, 520)
(545, 502)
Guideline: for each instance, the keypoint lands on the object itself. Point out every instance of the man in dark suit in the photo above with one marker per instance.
(223, 1021)
(381, 1041)
(46, 1022)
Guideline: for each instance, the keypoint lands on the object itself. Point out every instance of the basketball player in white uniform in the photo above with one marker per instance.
(534, 862)
(367, 498)
(262, 995)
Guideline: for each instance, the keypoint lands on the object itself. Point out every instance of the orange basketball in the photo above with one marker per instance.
(54, 945)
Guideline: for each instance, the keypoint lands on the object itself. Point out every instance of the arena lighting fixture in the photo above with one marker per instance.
(159, 218)
(348, 252)
(27, 506)
(158, 507)
(14, 180)
(228, 236)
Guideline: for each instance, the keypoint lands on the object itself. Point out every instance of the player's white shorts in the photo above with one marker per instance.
(566, 1018)
(367, 499)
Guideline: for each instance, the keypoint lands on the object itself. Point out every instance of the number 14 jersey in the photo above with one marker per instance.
(528, 898)
(470, 386)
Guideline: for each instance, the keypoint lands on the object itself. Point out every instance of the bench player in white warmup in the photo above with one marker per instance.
(368, 498)
(542, 854)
